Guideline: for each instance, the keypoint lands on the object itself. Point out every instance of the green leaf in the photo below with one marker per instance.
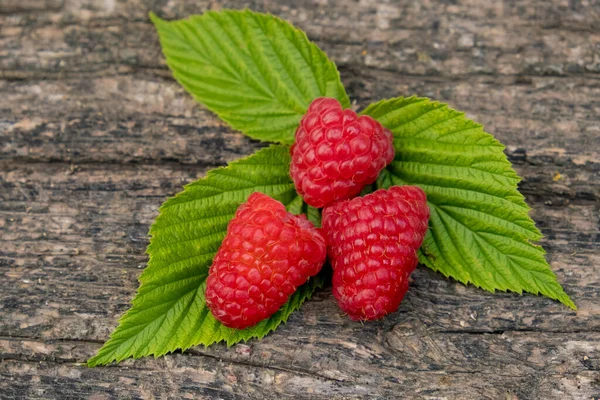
(480, 231)
(255, 71)
(169, 311)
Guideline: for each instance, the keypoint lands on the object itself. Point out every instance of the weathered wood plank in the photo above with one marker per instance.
(74, 242)
(404, 360)
(138, 118)
(425, 38)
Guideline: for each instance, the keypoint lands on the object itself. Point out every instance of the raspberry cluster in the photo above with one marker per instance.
(371, 241)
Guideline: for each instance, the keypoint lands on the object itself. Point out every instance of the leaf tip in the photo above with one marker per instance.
(566, 300)
(93, 362)
(155, 19)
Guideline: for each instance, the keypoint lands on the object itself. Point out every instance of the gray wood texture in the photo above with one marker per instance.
(95, 134)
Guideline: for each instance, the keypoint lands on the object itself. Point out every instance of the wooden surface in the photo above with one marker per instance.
(95, 134)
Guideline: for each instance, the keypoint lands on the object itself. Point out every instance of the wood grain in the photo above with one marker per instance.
(95, 135)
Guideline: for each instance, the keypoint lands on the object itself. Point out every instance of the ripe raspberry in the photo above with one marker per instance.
(266, 254)
(372, 243)
(337, 153)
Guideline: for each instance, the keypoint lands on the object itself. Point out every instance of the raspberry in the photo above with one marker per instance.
(372, 246)
(337, 153)
(266, 254)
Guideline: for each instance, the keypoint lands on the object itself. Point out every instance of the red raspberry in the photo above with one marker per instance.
(337, 153)
(266, 254)
(372, 246)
